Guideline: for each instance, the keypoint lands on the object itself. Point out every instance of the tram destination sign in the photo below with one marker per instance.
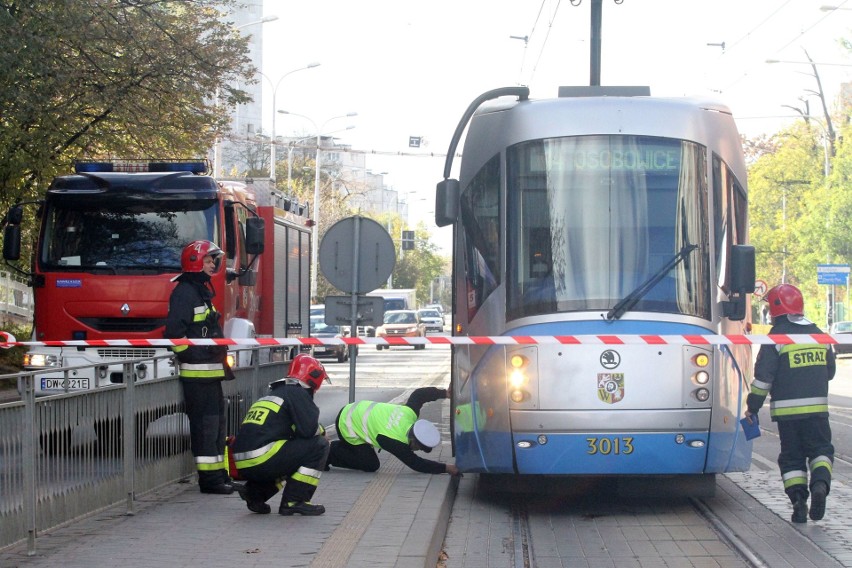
(833, 274)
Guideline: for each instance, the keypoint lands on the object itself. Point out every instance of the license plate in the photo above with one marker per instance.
(59, 384)
(320, 349)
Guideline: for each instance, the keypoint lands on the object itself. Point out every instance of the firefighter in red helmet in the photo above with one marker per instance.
(201, 368)
(282, 442)
(796, 376)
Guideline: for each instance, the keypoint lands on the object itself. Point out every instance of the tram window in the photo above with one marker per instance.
(591, 218)
(731, 207)
(480, 213)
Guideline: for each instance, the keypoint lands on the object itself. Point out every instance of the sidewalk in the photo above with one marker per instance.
(395, 517)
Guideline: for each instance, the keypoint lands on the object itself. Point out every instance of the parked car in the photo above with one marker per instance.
(320, 330)
(401, 323)
(842, 328)
(432, 318)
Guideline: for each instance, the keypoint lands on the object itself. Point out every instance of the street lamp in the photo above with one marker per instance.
(315, 235)
(217, 146)
(274, 93)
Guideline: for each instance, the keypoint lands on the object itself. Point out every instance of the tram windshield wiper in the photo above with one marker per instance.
(630, 300)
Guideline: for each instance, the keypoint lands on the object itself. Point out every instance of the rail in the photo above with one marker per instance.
(68, 455)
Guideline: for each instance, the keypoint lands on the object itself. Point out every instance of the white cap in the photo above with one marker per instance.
(426, 434)
(798, 319)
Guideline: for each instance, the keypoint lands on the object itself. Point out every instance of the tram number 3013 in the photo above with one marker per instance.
(609, 446)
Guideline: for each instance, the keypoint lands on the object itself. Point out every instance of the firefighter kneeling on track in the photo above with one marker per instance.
(281, 441)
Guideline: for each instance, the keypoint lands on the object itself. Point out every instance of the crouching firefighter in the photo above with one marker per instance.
(281, 442)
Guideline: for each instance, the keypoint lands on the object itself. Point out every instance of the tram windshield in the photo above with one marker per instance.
(591, 218)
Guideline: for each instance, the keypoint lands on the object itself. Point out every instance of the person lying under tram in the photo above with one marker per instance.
(363, 427)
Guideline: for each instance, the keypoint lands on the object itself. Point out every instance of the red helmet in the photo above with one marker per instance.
(785, 299)
(192, 257)
(308, 370)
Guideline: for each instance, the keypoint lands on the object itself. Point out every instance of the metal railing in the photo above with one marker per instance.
(16, 298)
(68, 455)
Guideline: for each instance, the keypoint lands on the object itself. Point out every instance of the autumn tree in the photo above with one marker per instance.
(100, 78)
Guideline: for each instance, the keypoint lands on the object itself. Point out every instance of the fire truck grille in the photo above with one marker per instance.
(125, 353)
(123, 325)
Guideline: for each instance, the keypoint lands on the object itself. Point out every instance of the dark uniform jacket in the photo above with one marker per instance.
(287, 412)
(796, 375)
(192, 315)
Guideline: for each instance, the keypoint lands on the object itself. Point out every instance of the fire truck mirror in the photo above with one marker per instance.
(248, 278)
(12, 242)
(254, 235)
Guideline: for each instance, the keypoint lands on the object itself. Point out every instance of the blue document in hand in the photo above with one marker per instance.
(752, 430)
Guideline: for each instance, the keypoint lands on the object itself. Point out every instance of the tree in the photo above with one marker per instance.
(99, 78)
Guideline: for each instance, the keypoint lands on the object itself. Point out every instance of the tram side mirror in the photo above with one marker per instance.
(447, 202)
(254, 235)
(742, 281)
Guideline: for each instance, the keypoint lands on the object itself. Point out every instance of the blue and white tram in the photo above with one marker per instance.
(610, 214)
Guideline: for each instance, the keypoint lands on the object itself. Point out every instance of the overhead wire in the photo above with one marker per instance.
(546, 37)
(528, 38)
(784, 46)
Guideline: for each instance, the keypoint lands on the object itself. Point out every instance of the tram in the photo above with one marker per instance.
(603, 212)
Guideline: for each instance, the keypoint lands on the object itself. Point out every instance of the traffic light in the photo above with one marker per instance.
(408, 240)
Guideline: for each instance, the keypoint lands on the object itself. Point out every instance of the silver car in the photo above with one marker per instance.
(432, 318)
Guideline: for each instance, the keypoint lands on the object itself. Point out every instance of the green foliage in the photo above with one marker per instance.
(800, 218)
(101, 78)
(11, 360)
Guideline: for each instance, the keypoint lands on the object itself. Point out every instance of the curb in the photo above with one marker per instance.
(423, 547)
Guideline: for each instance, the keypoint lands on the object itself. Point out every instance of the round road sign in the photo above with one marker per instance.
(361, 238)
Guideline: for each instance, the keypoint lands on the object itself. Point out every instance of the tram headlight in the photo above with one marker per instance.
(702, 377)
(701, 360)
(519, 376)
(231, 360)
(702, 394)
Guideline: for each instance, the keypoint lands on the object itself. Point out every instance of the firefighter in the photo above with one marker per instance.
(395, 428)
(201, 368)
(281, 441)
(797, 378)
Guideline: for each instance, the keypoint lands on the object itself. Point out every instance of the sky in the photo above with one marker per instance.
(411, 68)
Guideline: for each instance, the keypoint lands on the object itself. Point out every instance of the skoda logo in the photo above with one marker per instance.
(610, 359)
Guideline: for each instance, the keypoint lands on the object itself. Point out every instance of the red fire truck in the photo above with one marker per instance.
(109, 244)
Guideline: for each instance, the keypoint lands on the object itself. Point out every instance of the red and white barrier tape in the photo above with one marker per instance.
(818, 338)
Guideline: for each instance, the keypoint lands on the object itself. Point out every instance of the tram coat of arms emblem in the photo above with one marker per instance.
(610, 387)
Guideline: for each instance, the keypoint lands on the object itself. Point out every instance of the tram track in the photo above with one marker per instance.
(727, 534)
(599, 525)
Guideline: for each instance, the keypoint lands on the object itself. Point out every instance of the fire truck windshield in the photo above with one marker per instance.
(142, 234)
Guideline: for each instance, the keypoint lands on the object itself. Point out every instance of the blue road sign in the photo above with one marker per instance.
(833, 274)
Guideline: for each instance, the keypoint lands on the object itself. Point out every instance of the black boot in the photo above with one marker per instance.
(800, 510)
(818, 493)
(301, 507)
(254, 505)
